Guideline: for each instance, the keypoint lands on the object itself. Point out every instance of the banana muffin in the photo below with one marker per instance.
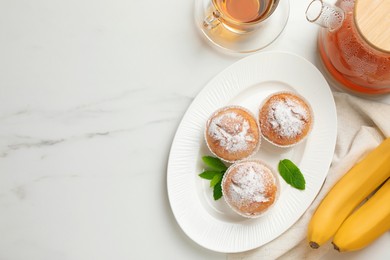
(250, 188)
(232, 133)
(285, 119)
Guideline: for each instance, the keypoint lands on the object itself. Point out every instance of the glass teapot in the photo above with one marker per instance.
(354, 43)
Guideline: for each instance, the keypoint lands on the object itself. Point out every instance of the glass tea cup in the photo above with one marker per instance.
(239, 16)
(241, 25)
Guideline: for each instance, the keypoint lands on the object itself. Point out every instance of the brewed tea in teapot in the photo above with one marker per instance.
(354, 44)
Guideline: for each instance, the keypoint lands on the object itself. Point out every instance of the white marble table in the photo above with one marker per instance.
(91, 93)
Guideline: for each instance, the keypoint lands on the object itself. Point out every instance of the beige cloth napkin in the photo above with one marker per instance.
(362, 125)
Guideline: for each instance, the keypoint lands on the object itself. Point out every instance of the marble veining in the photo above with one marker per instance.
(15, 146)
(110, 116)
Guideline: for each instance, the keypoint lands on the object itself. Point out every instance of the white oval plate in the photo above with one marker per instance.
(212, 224)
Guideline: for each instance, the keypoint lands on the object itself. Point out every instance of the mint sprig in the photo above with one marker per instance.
(214, 163)
(216, 179)
(208, 175)
(291, 174)
(217, 192)
(214, 173)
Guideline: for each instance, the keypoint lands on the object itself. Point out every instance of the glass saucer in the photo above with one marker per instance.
(267, 32)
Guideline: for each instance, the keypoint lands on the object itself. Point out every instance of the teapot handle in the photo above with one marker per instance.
(325, 15)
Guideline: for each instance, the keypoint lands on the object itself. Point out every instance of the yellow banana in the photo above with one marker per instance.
(348, 192)
(367, 223)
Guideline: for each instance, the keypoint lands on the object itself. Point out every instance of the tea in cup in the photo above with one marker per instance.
(239, 16)
(241, 25)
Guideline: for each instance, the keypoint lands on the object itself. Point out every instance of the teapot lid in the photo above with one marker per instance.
(372, 18)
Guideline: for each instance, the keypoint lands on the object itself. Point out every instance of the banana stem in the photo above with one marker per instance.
(336, 247)
(314, 245)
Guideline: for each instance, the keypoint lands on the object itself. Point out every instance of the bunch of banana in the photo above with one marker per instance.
(367, 223)
(355, 186)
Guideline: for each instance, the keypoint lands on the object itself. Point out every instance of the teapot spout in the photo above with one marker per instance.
(325, 15)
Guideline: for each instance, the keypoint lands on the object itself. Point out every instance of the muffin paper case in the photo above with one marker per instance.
(272, 174)
(227, 108)
(310, 113)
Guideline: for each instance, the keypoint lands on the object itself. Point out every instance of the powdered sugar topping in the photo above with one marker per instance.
(249, 183)
(232, 131)
(287, 117)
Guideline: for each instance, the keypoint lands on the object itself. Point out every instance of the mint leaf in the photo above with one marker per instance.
(215, 173)
(216, 179)
(208, 175)
(214, 163)
(291, 174)
(217, 192)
